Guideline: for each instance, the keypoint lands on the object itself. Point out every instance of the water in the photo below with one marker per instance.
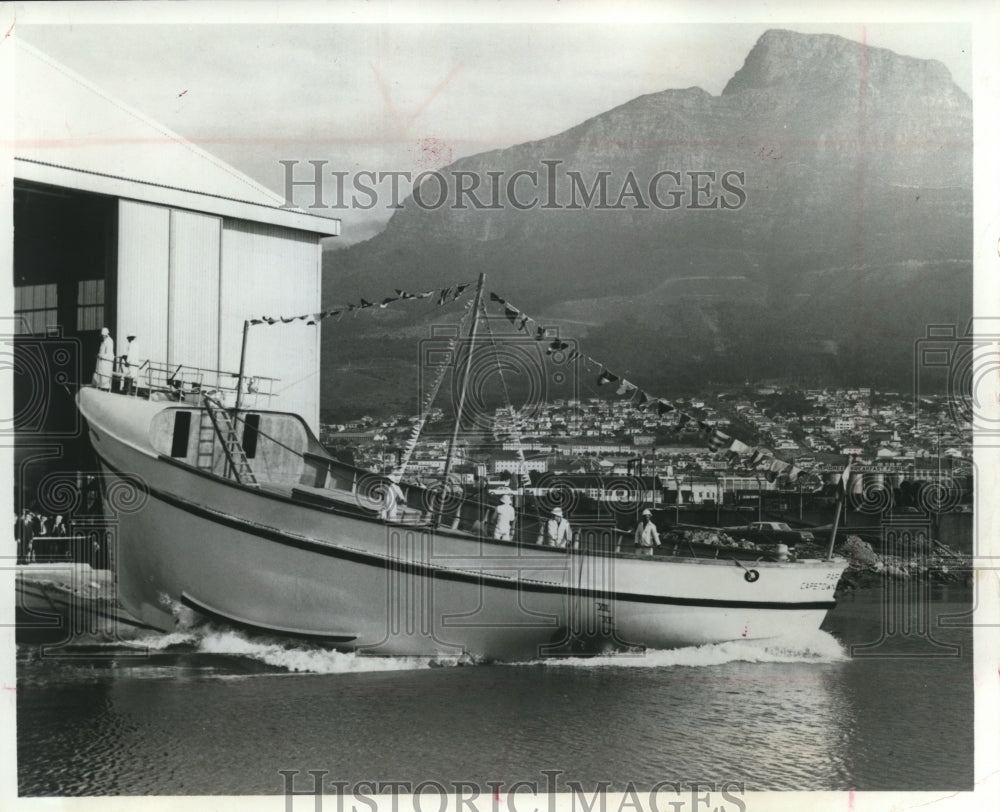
(220, 712)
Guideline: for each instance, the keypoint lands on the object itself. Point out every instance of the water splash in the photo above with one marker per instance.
(304, 657)
(809, 647)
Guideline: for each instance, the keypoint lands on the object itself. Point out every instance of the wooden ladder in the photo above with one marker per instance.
(225, 429)
(206, 442)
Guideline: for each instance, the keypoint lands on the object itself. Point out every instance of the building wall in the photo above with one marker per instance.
(187, 281)
(272, 271)
(143, 276)
(193, 309)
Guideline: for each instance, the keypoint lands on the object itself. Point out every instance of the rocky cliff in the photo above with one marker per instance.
(806, 223)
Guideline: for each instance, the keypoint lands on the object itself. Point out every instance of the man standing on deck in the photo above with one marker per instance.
(557, 530)
(131, 362)
(503, 519)
(105, 360)
(646, 535)
(392, 496)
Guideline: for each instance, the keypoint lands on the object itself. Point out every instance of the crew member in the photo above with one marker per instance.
(503, 519)
(557, 530)
(132, 363)
(105, 360)
(646, 536)
(392, 495)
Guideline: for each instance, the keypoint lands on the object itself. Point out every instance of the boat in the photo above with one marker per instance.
(231, 510)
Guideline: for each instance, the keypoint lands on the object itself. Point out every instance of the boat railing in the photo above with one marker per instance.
(155, 380)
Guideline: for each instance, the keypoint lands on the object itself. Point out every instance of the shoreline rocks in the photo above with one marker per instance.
(928, 560)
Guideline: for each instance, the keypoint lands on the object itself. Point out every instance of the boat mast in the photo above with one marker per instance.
(243, 361)
(836, 524)
(841, 498)
(449, 459)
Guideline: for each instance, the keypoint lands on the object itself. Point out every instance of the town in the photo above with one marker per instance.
(611, 448)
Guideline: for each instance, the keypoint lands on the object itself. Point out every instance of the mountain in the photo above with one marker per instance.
(817, 218)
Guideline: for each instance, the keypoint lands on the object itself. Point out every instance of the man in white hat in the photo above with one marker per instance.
(392, 497)
(105, 360)
(646, 536)
(132, 364)
(557, 530)
(503, 519)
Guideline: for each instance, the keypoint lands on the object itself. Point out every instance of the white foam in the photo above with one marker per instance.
(304, 657)
(158, 642)
(811, 647)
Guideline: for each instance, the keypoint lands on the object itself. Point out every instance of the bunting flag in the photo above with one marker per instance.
(445, 295)
(739, 448)
(845, 478)
(429, 398)
(718, 440)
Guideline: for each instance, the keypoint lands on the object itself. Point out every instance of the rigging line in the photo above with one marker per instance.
(294, 383)
(375, 304)
(588, 361)
(515, 418)
(418, 426)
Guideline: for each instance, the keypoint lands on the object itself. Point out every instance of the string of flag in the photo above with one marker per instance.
(761, 459)
(429, 398)
(443, 296)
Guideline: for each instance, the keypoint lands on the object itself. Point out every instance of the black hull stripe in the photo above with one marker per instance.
(408, 567)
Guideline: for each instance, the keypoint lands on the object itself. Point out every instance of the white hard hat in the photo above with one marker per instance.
(557, 512)
(647, 512)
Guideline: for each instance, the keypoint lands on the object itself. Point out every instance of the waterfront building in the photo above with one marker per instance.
(121, 223)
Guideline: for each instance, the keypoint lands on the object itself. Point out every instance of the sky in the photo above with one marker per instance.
(411, 97)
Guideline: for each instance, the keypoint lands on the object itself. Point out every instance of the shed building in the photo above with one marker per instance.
(120, 222)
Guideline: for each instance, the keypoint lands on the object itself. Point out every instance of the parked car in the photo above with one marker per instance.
(773, 533)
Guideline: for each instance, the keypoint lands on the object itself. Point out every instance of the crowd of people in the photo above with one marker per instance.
(44, 538)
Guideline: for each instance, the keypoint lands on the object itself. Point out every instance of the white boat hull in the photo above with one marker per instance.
(261, 558)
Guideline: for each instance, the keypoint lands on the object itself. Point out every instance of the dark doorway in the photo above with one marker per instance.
(65, 260)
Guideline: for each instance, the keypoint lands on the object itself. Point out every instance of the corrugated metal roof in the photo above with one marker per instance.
(69, 131)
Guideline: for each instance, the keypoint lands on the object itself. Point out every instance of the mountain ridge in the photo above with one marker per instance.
(857, 175)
